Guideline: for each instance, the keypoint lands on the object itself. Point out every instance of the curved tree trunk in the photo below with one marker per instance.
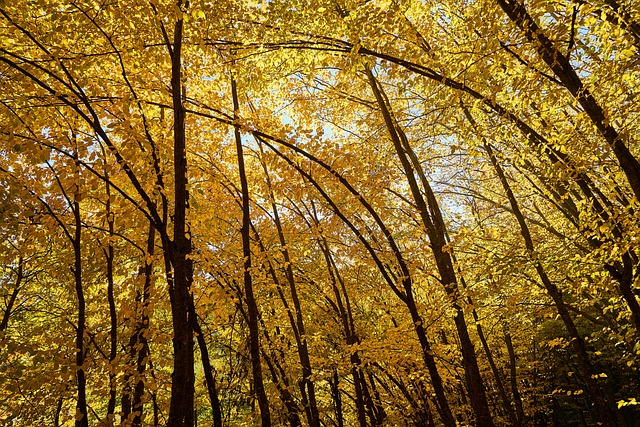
(307, 387)
(435, 228)
(252, 307)
(603, 403)
(444, 409)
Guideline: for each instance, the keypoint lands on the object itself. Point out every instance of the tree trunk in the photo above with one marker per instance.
(216, 412)
(182, 379)
(435, 228)
(513, 377)
(252, 307)
(334, 382)
(307, 387)
(113, 331)
(81, 403)
(602, 403)
(14, 294)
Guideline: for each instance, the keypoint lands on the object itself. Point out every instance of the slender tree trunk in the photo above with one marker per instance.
(113, 331)
(81, 403)
(376, 402)
(14, 294)
(216, 412)
(252, 307)
(506, 403)
(181, 407)
(307, 386)
(342, 308)
(603, 404)
(513, 377)
(444, 410)
(56, 415)
(334, 382)
(434, 225)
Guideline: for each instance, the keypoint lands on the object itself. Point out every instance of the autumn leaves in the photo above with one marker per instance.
(342, 218)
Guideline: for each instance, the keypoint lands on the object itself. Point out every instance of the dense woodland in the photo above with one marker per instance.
(319, 213)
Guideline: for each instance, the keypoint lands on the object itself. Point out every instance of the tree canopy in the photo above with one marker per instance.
(319, 213)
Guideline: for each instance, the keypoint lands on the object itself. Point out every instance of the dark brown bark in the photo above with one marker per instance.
(279, 376)
(56, 415)
(181, 413)
(334, 382)
(252, 307)
(113, 331)
(143, 327)
(81, 403)
(216, 412)
(513, 377)
(81, 419)
(435, 228)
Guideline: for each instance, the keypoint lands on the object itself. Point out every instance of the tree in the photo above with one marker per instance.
(328, 197)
